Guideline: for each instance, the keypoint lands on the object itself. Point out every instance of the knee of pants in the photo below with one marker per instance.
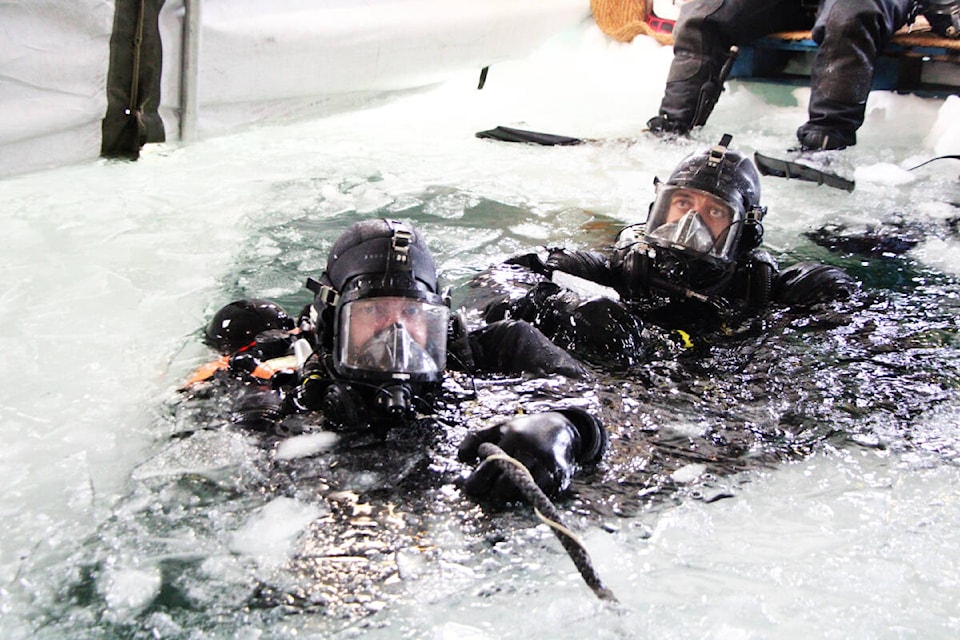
(687, 68)
(879, 18)
(697, 31)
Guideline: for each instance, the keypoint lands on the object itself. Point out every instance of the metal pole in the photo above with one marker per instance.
(189, 70)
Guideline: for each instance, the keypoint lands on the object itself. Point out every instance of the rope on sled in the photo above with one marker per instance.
(624, 20)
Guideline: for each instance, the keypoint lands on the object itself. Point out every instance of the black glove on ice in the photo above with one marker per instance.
(548, 444)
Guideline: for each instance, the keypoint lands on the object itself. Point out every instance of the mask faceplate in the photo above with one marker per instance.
(392, 337)
(687, 219)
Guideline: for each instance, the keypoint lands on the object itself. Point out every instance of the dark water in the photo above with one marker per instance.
(385, 517)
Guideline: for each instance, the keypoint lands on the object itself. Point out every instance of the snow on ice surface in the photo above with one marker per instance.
(111, 269)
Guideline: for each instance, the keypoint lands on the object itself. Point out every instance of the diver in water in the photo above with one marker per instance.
(694, 268)
(371, 350)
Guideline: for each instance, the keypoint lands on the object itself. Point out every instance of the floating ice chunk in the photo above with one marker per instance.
(211, 454)
(936, 210)
(457, 631)
(305, 445)
(688, 473)
(127, 591)
(531, 231)
(942, 254)
(883, 173)
(269, 534)
(944, 135)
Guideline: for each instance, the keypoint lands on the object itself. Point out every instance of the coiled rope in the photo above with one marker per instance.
(549, 515)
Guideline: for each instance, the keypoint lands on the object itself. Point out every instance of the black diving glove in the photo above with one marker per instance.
(515, 346)
(259, 409)
(807, 284)
(548, 444)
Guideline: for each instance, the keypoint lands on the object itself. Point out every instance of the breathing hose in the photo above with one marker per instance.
(549, 515)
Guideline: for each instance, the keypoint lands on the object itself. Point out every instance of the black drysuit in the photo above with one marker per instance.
(630, 326)
(850, 34)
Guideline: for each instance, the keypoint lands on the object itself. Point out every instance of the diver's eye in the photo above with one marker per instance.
(683, 203)
(377, 313)
(411, 311)
(717, 213)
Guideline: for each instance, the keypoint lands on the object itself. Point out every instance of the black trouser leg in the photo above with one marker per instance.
(702, 38)
(850, 34)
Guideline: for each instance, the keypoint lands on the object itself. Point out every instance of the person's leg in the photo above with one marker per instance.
(850, 34)
(702, 38)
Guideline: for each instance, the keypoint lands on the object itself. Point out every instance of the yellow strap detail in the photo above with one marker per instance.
(687, 343)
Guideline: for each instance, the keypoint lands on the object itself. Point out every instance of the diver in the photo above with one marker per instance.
(694, 269)
(371, 350)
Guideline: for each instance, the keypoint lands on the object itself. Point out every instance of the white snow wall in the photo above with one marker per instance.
(54, 56)
(258, 60)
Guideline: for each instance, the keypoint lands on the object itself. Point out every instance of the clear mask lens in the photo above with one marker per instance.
(393, 335)
(693, 220)
(689, 231)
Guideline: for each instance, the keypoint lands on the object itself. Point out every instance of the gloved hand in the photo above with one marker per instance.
(547, 444)
(258, 408)
(266, 346)
(943, 16)
(515, 346)
(807, 284)
(273, 344)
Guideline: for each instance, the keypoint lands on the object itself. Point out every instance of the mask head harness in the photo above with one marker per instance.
(705, 218)
(383, 322)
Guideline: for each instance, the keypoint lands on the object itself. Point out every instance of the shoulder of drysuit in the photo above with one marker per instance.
(811, 283)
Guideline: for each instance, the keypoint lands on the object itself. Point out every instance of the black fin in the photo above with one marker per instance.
(789, 169)
(509, 134)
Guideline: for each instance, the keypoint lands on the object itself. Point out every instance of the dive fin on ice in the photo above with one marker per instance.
(510, 134)
(783, 168)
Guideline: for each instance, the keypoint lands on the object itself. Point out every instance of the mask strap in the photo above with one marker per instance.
(401, 237)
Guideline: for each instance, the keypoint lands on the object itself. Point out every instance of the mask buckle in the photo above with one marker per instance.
(717, 153)
(400, 241)
(755, 214)
(323, 292)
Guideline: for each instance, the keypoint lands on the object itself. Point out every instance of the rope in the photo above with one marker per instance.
(623, 20)
(948, 157)
(903, 38)
(549, 515)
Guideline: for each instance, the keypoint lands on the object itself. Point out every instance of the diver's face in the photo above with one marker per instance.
(375, 314)
(716, 214)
